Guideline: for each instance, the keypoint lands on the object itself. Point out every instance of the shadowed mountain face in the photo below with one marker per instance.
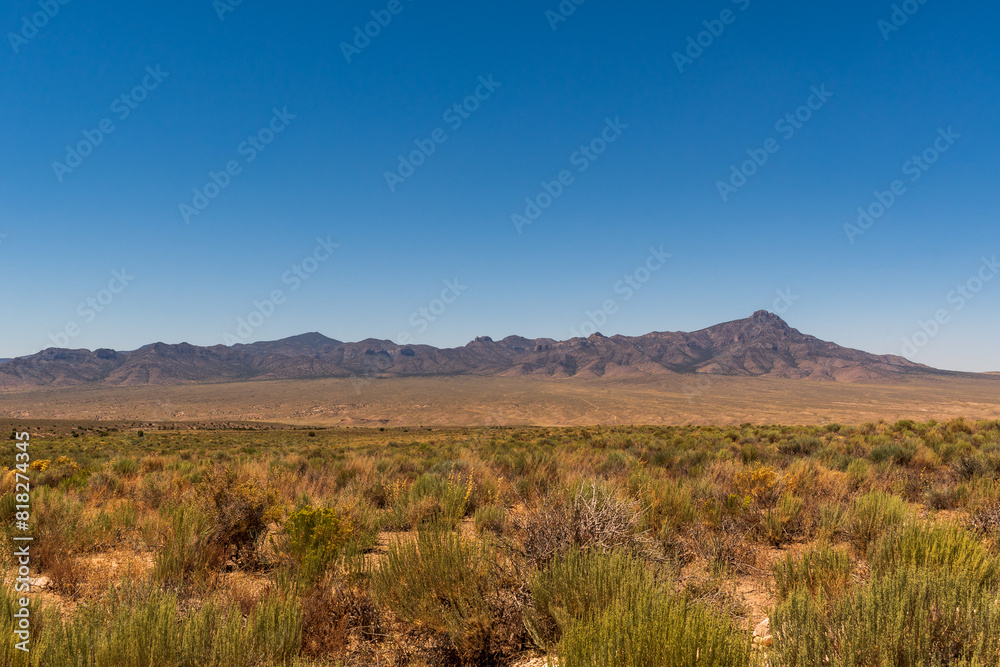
(762, 345)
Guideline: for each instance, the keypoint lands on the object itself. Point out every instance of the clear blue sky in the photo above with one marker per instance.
(218, 81)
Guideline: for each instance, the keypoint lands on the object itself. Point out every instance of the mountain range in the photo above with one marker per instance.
(762, 345)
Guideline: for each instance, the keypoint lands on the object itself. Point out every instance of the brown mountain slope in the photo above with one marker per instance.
(762, 345)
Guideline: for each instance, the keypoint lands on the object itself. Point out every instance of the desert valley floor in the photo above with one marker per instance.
(471, 401)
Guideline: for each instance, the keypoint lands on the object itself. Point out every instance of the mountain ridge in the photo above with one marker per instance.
(762, 345)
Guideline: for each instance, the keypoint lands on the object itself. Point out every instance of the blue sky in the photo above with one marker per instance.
(641, 136)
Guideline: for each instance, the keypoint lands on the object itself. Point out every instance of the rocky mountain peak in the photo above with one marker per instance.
(760, 345)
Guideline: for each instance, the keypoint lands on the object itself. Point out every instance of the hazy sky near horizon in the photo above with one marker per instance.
(208, 172)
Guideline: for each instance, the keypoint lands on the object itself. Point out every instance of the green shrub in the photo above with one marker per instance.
(490, 518)
(822, 571)
(872, 514)
(783, 520)
(833, 521)
(125, 467)
(142, 627)
(670, 508)
(447, 584)
(800, 445)
(898, 453)
(39, 617)
(312, 539)
(433, 498)
(153, 490)
(749, 453)
(857, 473)
(651, 628)
(441, 582)
(8, 507)
(908, 618)
(457, 498)
(185, 556)
(61, 533)
(578, 586)
(802, 631)
(106, 483)
(936, 547)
